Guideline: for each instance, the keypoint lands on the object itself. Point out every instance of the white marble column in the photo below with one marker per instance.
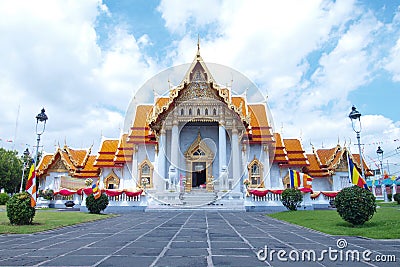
(266, 168)
(161, 154)
(135, 166)
(175, 153)
(235, 159)
(245, 152)
(223, 169)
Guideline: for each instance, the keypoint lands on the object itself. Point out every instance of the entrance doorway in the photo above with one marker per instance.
(198, 174)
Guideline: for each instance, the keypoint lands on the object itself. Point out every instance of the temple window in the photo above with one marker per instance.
(198, 111)
(214, 112)
(146, 174)
(182, 112)
(206, 111)
(255, 176)
(111, 181)
(199, 152)
(190, 111)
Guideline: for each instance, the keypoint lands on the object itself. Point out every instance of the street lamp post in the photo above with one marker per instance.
(41, 117)
(26, 164)
(354, 116)
(379, 152)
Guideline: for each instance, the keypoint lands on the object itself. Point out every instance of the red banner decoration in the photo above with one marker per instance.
(315, 195)
(65, 192)
(278, 192)
(113, 193)
(133, 194)
(330, 194)
(306, 190)
(259, 193)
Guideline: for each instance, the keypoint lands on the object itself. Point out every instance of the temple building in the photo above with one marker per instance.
(199, 140)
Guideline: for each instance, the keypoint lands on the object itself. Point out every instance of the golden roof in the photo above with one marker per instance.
(105, 157)
(78, 162)
(295, 153)
(280, 150)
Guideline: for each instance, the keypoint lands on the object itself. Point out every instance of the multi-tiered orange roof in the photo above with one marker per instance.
(324, 162)
(77, 162)
(281, 156)
(295, 153)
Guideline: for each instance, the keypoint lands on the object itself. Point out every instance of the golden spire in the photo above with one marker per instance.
(198, 45)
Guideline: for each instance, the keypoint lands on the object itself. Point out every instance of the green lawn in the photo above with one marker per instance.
(48, 219)
(384, 225)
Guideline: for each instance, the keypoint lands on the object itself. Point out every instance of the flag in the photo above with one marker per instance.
(307, 180)
(294, 179)
(299, 179)
(354, 175)
(31, 184)
(96, 190)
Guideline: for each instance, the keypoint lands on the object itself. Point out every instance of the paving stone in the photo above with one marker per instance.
(128, 261)
(74, 260)
(177, 261)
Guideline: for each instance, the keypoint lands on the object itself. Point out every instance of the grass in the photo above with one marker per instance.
(384, 224)
(47, 220)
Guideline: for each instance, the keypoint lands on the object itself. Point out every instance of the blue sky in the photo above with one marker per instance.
(84, 61)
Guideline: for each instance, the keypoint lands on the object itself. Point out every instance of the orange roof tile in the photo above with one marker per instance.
(125, 150)
(326, 155)
(238, 102)
(44, 162)
(280, 151)
(261, 131)
(140, 132)
(295, 153)
(314, 169)
(78, 156)
(162, 101)
(89, 171)
(78, 162)
(106, 154)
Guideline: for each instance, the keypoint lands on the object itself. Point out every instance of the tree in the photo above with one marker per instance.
(291, 198)
(355, 205)
(10, 170)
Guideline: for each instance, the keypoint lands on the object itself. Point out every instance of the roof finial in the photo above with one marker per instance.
(198, 45)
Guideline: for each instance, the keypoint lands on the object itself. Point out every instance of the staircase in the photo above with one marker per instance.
(198, 197)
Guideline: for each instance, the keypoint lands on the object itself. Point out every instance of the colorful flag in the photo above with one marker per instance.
(96, 190)
(299, 179)
(31, 184)
(354, 175)
(307, 180)
(294, 179)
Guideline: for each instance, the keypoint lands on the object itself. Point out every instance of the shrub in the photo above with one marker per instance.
(389, 197)
(19, 210)
(397, 198)
(96, 205)
(4, 197)
(291, 198)
(355, 205)
(46, 194)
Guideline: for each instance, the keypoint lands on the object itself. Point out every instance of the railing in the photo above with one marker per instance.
(268, 197)
(115, 197)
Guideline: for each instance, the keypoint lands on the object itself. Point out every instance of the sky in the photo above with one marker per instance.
(83, 61)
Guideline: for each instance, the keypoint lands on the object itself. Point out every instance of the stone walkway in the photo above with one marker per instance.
(199, 238)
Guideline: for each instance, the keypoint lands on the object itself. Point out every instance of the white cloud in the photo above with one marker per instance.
(393, 64)
(51, 58)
